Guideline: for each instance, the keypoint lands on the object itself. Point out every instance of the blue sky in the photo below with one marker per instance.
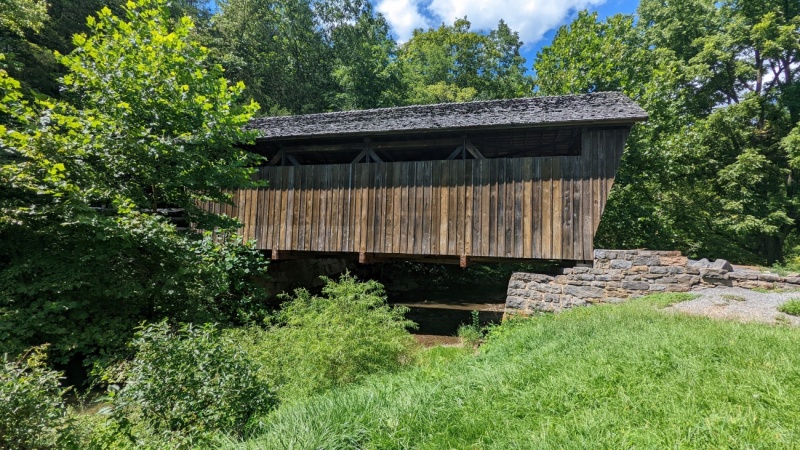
(535, 20)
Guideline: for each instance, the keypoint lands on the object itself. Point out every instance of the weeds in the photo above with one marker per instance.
(792, 307)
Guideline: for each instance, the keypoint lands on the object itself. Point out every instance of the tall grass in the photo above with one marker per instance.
(617, 376)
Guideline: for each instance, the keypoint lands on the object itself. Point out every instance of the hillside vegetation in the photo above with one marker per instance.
(616, 376)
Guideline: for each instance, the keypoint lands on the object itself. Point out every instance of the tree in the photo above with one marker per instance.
(146, 122)
(304, 56)
(452, 63)
(711, 172)
(19, 15)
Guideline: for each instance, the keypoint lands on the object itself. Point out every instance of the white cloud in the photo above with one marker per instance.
(531, 18)
(403, 16)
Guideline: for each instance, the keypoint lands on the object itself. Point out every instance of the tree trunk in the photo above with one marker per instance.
(772, 249)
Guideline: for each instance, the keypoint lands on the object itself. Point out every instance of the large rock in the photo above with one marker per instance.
(721, 264)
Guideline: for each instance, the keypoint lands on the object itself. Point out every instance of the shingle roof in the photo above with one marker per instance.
(600, 107)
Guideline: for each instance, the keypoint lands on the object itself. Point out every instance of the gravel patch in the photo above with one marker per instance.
(740, 304)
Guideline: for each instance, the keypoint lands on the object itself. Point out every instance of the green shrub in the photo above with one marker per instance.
(472, 334)
(319, 342)
(31, 411)
(792, 307)
(184, 386)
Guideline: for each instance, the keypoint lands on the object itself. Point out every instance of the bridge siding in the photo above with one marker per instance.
(528, 208)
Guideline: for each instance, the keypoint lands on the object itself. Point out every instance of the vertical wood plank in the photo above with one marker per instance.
(284, 207)
(444, 200)
(418, 205)
(469, 185)
(475, 242)
(519, 198)
(558, 221)
(500, 249)
(566, 206)
(486, 206)
(527, 208)
(436, 201)
(427, 212)
(364, 171)
(547, 215)
(460, 201)
(397, 188)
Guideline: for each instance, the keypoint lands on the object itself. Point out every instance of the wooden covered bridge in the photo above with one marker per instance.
(520, 179)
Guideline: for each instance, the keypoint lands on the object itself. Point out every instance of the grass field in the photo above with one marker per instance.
(614, 376)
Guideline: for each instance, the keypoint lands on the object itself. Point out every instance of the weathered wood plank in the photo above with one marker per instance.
(469, 188)
(436, 201)
(404, 208)
(527, 208)
(460, 200)
(519, 198)
(444, 198)
(427, 212)
(418, 205)
(546, 210)
(486, 207)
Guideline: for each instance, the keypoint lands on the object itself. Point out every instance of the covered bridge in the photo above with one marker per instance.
(519, 179)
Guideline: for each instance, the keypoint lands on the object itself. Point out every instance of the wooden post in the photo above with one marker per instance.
(463, 262)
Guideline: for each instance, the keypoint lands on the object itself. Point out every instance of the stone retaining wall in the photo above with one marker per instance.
(617, 275)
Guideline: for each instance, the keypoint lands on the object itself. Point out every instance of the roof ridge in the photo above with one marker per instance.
(597, 107)
(433, 105)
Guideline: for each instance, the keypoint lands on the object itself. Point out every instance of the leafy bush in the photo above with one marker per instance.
(319, 342)
(792, 307)
(30, 402)
(51, 290)
(183, 386)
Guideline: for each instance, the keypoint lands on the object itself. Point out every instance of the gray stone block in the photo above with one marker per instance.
(517, 284)
(583, 291)
(646, 260)
(660, 269)
(516, 302)
(717, 274)
(674, 270)
(552, 298)
(769, 277)
(620, 264)
(658, 287)
(792, 280)
(743, 275)
(636, 285)
(721, 264)
(701, 264)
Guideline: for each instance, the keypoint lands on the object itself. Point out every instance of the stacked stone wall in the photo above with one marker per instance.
(617, 275)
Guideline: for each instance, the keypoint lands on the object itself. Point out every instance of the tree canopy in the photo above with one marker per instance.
(713, 172)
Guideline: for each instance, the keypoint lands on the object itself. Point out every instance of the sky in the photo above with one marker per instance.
(536, 21)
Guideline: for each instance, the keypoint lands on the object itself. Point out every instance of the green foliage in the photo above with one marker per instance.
(337, 338)
(454, 64)
(305, 56)
(85, 251)
(792, 307)
(711, 172)
(50, 290)
(658, 380)
(471, 334)
(185, 385)
(30, 402)
(19, 15)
